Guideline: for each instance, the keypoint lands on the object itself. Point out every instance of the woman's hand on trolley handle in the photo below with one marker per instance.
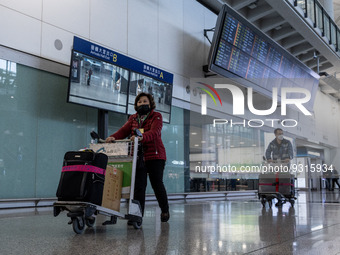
(138, 134)
(110, 139)
(140, 138)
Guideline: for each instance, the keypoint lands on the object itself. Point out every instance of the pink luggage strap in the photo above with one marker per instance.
(277, 182)
(83, 168)
(281, 184)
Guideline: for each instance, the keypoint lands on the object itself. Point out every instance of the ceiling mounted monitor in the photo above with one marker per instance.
(104, 79)
(242, 52)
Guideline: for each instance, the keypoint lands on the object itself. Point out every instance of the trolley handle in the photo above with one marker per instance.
(275, 161)
(95, 136)
(121, 141)
(278, 161)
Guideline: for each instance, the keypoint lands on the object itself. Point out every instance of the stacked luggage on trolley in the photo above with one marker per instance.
(90, 186)
(276, 182)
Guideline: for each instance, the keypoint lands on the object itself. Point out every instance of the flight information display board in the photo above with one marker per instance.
(240, 50)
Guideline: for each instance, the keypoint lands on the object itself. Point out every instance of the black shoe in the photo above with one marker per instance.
(279, 204)
(165, 217)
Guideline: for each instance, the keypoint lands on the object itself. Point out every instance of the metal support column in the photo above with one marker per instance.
(103, 117)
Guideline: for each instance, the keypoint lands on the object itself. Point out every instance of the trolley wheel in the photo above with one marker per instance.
(90, 222)
(279, 204)
(78, 225)
(137, 224)
(270, 203)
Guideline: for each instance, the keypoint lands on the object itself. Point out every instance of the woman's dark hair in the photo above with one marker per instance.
(278, 129)
(149, 96)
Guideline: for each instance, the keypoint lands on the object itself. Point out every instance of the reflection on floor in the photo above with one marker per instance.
(195, 227)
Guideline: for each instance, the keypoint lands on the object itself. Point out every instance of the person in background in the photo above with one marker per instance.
(280, 148)
(335, 179)
(328, 176)
(89, 77)
(150, 90)
(150, 123)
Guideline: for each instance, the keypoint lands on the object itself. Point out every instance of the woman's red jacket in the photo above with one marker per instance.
(152, 138)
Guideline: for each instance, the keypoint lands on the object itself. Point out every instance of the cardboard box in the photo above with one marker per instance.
(112, 188)
(126, 168)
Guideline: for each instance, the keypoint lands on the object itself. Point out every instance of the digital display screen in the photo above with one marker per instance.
(104, 79)
(97, 84)
(240, 50)
(160, 91)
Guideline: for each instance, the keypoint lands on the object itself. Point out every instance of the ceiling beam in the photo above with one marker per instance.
(282, 33)
(259, 12)
(212, 5)
(271, 23)
(313, 63)
(239, 4)
(293, 41)
(325, 66)
(306, 57)
(302, 48)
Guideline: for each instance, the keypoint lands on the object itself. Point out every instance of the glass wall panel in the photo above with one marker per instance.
(221, 155)
(333, 34)
(38, 126)
(173, 136)
(302, 4)
(319, 17)
(310, 10)
(115, 122)
(326, 24)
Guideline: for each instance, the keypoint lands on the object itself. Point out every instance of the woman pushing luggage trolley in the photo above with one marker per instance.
(82, 209)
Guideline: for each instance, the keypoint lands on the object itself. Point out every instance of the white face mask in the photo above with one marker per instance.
(280, 137)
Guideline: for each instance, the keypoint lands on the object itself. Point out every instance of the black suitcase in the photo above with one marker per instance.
(82, 177)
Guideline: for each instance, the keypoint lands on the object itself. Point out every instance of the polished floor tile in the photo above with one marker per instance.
(195, 227)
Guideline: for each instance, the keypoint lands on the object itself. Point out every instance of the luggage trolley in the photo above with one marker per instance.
(84, 213)
(277, 182)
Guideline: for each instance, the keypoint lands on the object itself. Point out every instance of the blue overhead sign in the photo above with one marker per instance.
(118, 59)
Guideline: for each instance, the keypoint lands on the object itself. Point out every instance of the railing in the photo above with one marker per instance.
(320, 18)
(48, 202)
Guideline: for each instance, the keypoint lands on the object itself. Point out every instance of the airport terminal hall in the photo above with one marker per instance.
(170, 127)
